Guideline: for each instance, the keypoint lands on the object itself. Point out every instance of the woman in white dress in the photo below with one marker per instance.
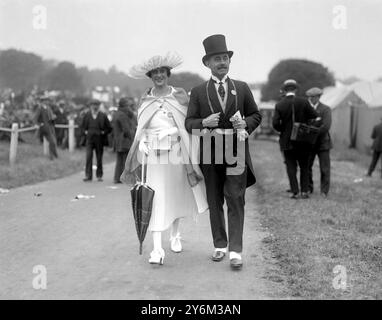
(172, 169)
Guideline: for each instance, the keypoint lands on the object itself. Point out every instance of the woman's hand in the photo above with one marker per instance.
(143, 146)
(167, 132)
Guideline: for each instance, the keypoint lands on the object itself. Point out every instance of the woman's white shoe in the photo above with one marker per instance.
(157, 257)
(175, 243)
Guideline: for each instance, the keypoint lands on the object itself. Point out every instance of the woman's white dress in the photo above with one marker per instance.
(173, 197)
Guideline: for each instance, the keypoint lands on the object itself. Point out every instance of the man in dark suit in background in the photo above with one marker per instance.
(96, 127)
(322, 147)
(295, 153)
(45, 119)
(124, 125)
(211, 106)
(377, 148)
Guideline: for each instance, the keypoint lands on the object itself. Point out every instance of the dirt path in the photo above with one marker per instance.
(90, 250)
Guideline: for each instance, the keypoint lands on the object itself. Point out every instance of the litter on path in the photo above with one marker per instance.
(112, 187)
(83, 196)
(3, 191)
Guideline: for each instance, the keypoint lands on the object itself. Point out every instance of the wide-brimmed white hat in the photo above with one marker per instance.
(170, 60)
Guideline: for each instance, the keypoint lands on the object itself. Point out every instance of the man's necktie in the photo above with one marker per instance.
(221, 90)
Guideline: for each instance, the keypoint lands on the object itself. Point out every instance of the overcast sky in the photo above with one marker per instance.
(101, 33)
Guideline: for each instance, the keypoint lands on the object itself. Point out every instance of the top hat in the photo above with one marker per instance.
(215, 44)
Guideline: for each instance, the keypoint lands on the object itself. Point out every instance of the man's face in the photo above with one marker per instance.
(159, 77)
(94, 108)
(314, 100)
(219, 64)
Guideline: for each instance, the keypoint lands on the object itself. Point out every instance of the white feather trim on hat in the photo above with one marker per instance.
(170, 60)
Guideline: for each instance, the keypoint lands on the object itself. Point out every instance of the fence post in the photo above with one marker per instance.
(14, 142)
(71, 135)
(46, 147)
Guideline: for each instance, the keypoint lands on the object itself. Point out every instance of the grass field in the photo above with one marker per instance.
(309, 238)
(32, 166)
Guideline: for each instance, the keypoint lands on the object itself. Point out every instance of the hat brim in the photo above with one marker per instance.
(207, 56)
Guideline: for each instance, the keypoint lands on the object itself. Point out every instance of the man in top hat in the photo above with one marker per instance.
(44, 119)
(376, 135)
(296, 154)
(210, 112)
(96, 127)
(322, 147)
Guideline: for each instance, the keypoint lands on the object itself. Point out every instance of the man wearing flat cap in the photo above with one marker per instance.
(289, 109)
(322, 147)
(225, 109)
(96, 127)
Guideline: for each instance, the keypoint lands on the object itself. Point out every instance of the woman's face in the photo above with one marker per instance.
(159, 77)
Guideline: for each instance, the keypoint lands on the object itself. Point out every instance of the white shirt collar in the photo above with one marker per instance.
(314, 105)
(217, 80)
(290, 93)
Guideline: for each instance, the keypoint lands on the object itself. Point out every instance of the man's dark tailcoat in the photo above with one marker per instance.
(219, 184)
(295, 153)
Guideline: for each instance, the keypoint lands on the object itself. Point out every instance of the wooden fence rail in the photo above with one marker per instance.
(15, 130)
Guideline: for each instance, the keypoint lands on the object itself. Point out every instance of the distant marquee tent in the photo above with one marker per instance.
(355, 110)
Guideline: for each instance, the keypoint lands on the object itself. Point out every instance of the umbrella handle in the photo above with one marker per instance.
(144, 169)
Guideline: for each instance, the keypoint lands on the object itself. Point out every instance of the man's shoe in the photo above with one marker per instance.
(87, 179)
(236, 264)
(117, 182)
(218, 255)
(324, 194)
(100, 179)
(304, 195)
(294, 196)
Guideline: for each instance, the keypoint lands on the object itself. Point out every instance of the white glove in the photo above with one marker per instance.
(167, 132)
(143, 145)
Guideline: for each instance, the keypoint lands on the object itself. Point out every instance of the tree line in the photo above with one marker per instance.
(23, 71)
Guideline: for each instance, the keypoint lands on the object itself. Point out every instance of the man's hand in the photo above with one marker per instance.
(212, 120)
(239, 124)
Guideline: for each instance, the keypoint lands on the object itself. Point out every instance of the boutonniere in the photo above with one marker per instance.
(233, 92)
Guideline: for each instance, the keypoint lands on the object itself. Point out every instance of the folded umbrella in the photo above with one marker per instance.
(142, 202)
